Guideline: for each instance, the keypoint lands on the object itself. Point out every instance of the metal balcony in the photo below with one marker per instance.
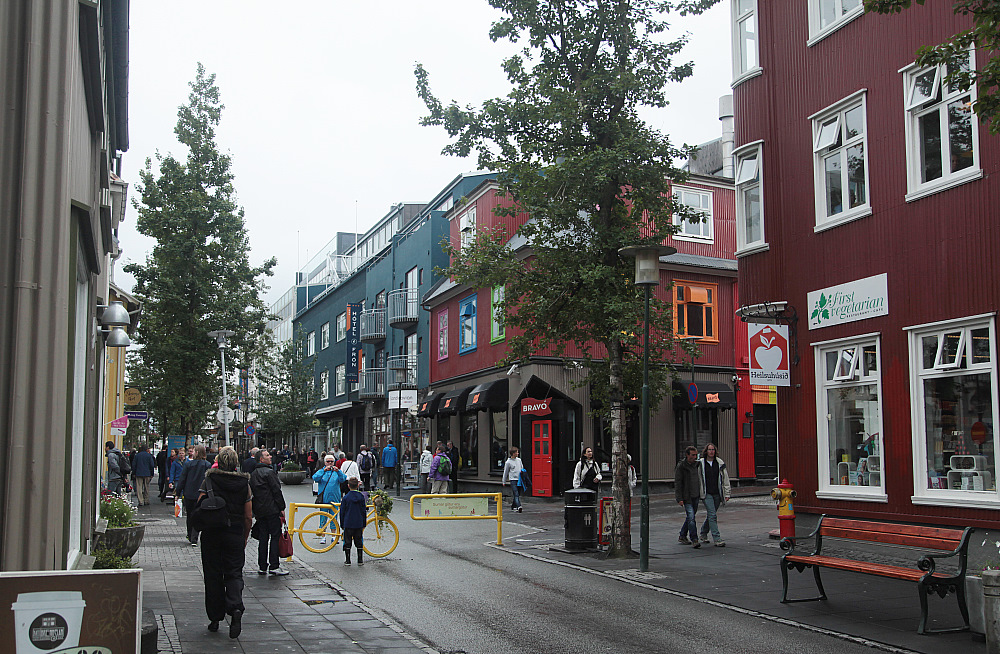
(402, 371)
(404, 307)
(371, 384)
(373, 326)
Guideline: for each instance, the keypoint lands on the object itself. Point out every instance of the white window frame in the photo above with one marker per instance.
(752, 176)
(324, 385)
(324, 336)
(340, 379)
(465, 315)
(311, 344)
(817, 33)
(823, 140)
(341, 327)
(442, 338)
(946, 496)
(740, 71)
(853, 376)
(914, 110)
(706, 228)
(467, 226)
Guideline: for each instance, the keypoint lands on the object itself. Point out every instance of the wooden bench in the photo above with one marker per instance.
(947, 543)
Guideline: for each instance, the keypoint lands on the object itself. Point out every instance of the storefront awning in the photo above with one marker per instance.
(491, 396)
(429, 405)
(710, 395)
(453, 401)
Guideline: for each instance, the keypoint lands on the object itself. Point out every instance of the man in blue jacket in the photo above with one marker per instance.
(389, 459)
(143, 466)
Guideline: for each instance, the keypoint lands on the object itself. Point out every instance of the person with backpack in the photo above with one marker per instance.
(118, 467)
(440, 473)
(366, 464)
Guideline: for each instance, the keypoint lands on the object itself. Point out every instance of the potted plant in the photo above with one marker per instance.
(117, 530)
(382, 502)
(291, 473)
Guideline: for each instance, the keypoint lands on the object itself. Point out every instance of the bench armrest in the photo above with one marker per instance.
(788, 544)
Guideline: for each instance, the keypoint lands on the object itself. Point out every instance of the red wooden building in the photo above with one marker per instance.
(865, 202)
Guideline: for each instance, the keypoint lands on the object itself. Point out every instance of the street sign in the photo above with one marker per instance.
(132, 396)
(137, 415)
(225, 414)
(118, 426)
(249, 430)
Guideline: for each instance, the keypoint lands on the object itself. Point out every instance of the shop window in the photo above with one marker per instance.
(695, 310)
(749, 209)
(942, 130)
(745, 54)
(497, 331)
(697, 226)
(952, 381)
(340, 378)
(341, 327)
(467, 325)
(469, 445)
(840, 163)
(849, 419)
(444, 428)
(324, 336)
(498, 441)
(324, 385)
(442, 335)
(826, 16)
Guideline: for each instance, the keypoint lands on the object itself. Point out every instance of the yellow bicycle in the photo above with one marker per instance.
(320, 532)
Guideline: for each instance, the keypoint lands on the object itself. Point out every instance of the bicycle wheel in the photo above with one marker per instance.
(317, 537)
(380, 537)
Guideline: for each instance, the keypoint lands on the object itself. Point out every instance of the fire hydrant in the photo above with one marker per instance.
(783, 495)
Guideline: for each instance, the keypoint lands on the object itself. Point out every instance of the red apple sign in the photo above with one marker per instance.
(769, 355)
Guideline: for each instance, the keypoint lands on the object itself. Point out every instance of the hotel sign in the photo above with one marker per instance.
(857, 300)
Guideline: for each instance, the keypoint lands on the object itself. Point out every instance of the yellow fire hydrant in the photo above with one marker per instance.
(783, 495)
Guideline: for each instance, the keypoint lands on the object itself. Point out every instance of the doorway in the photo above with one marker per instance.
(541, 458)
(765, 441)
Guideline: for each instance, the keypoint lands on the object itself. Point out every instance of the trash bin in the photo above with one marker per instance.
(581, 519)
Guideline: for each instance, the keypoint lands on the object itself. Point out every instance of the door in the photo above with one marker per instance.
(541, 458)
(765, 441)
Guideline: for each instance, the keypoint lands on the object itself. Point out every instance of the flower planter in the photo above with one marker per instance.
(123, 541)
(292, 478)
(977, 606)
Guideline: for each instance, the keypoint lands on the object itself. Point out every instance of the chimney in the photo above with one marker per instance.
(728, 137)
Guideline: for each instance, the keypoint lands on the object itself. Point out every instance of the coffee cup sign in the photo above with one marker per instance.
(769, 354)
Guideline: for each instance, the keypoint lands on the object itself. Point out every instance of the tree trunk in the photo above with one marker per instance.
(621, 528)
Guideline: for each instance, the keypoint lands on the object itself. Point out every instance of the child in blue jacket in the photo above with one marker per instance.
(353, 511)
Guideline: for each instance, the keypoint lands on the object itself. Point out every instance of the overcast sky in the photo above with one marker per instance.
(321, 113)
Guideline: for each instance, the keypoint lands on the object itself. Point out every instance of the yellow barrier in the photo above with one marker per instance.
(497, 497)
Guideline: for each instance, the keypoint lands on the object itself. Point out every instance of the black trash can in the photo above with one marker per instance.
(581, 519)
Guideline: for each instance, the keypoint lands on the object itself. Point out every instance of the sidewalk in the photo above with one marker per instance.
(298, 613)
(745, 575)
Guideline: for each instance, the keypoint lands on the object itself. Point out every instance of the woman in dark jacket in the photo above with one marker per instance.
(222, 548)
(188, 484)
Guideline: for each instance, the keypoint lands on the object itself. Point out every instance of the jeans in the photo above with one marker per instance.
(267, 549)
(222, 558)
(690, 527)
(516, 501)
(712, 504)
(390, 477)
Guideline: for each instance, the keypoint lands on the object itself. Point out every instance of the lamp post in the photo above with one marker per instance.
(220, 335)
(647, 275)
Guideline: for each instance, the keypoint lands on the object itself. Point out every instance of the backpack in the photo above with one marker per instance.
(444, 465)
(123, 465)
(366, 462)
(210, 512)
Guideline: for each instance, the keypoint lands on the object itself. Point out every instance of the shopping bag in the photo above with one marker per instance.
(284, 540)
(178, 507)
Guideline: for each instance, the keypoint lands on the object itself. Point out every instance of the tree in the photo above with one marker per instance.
(198, 276)
(286, 391)
(984, 36)
(575, 156)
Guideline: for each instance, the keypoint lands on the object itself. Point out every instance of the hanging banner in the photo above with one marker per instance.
(353, 342)
(769, 354)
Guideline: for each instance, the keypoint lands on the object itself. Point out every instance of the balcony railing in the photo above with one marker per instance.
(404, 307)
(402, 371)
(373, 325)
(371, 385)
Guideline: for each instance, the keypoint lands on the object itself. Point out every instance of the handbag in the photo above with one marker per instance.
(284, 541)
(210, 512)
(178, 507)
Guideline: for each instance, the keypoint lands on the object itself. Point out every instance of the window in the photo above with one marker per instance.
(749, 209)
(700, 204)
(324, 385)
(311, 344)
(497, 332)
(849, 418)
(324, 336)
(380, 299)
(467, 325)
(941, 131)
(341, 327)
(413, 278)
(498, 441)
(442, 336)
(469, 445)
(745, 62)
(339, 379)
(695, 310)
(467, 226)
(840, 163)
(953, 374)
(827, 16)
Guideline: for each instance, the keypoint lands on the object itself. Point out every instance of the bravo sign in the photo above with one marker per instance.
(769, 354)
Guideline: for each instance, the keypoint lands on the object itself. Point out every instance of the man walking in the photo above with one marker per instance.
(161, 470)
(143, 466)
(389, 459)
(687, 491)
(268, 505)
(115, 474)
(512, 475)
(366, 463)
(440, 473)
(456, 458)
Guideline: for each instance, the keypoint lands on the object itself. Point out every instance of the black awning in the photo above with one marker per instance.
(710, 395)
(491, 396)
(429, 405)
(453, 401)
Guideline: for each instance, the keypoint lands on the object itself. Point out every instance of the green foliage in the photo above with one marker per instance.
(117, 510)
(286, 391)
(108, 560)
(382, 501)
(291, 466)
(984, 36)
(198, 277)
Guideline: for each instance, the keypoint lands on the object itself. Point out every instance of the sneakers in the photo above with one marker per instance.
(696, 544)
(683, 540)
(236, 624)
(720, 543)
(360, 561)
(519, 509)
(278, 572)
(347, 562)
(322, 541)
(262, 571)
(704, 538)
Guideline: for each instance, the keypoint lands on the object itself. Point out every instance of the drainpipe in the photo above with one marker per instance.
(728, 134)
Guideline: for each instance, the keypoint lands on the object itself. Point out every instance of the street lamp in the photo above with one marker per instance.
(220, 335)
(647, 275)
